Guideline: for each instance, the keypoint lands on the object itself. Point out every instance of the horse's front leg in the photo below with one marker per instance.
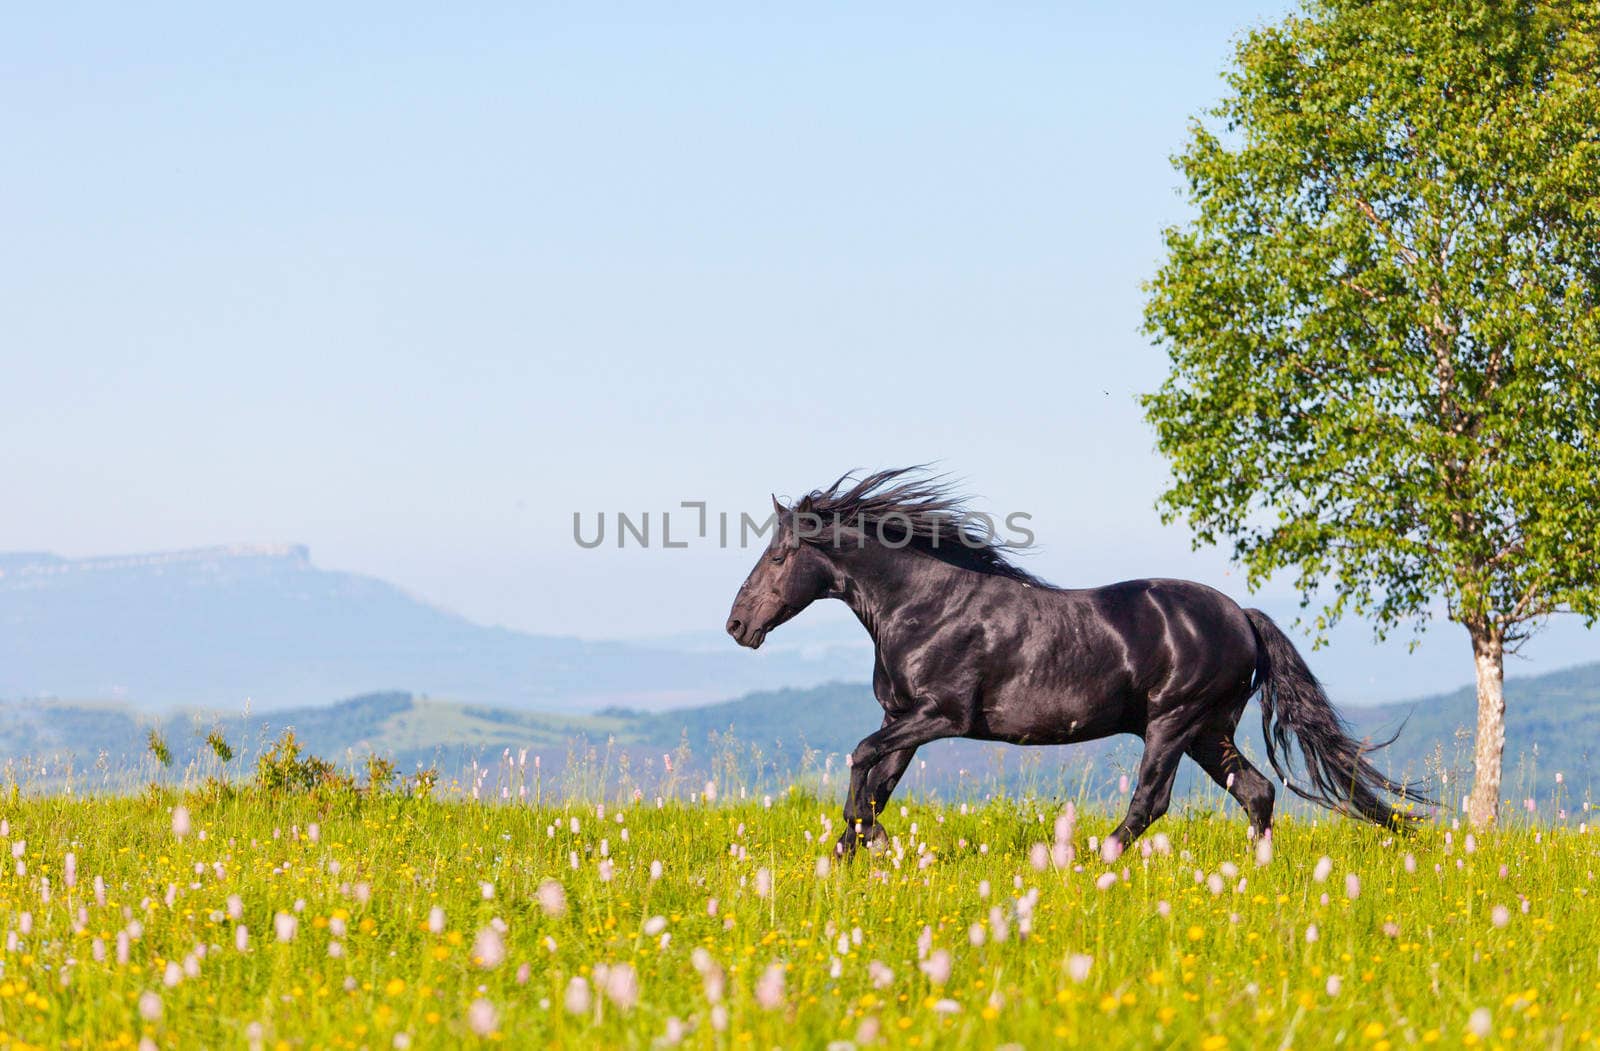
(876, 766)
(875, 786)
(860, 816)
(886, 775)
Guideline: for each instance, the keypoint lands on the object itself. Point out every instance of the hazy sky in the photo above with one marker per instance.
(412, 287)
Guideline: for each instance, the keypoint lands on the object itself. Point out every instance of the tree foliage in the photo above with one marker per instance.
(283, 769)
(1384, 316)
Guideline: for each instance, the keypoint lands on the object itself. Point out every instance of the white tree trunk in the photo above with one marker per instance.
(1483, 805)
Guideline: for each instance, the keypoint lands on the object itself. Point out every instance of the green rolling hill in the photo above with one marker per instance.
(1554, 725)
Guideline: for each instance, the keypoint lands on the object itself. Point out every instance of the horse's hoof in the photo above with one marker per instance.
(874, 838)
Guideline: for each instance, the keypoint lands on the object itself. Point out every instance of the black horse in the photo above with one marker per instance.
(970, 645)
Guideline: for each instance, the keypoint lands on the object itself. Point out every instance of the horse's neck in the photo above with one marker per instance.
(880, 580)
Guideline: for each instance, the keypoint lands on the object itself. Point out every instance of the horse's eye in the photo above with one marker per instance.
(777, 560)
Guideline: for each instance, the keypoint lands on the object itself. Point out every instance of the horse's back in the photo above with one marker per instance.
(1092, 662)
(1168, 596)
(1178, 635)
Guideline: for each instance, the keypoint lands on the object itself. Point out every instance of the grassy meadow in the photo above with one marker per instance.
(239, 918)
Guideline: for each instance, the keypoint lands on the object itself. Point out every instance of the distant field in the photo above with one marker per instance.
(304, 923)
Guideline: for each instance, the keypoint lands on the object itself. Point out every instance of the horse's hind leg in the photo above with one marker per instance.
(1157, 769)
(1219, 757)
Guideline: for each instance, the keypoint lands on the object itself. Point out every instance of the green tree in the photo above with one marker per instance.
(159, 748)
(1384, 322)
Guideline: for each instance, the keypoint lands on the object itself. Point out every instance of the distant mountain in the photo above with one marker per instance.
(1553, 726)
(213, 627)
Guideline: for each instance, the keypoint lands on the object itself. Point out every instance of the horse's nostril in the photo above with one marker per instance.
(734, 626)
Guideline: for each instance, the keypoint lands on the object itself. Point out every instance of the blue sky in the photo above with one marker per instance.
(413, 286)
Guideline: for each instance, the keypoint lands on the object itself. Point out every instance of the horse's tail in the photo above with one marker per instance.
(1338, 774)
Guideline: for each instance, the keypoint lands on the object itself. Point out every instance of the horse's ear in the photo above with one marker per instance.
(777, 507)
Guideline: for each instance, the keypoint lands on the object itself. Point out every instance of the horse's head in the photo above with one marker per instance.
(788, 577)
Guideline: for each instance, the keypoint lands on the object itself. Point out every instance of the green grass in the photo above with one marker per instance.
(1233, 968)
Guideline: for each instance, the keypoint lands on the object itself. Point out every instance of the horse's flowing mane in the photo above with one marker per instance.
(892, 503)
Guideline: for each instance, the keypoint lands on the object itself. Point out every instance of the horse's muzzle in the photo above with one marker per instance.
(745, 635)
